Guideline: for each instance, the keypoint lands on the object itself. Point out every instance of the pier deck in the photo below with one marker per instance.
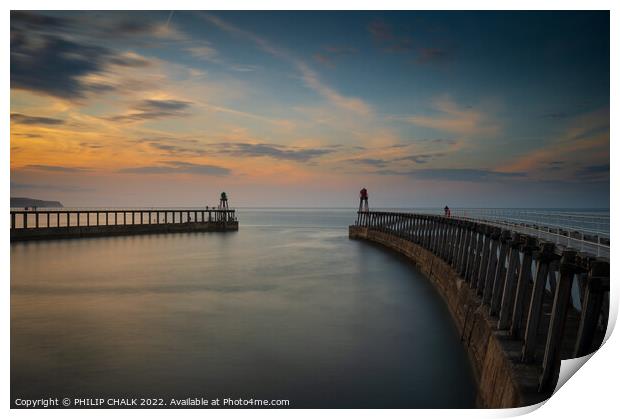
(65, 223)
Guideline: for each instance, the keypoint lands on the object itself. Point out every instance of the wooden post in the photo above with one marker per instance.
(463, 260)
(78, 218)
(525, 277)
(460, 267)
(445, 237)
(484, 261)
(106, 218)
(452, 229)
(438, 236)
(452, 247)
(36, 219)
(597, 284)
(48, 220)
(471, 254)
(460, 245)
(491, 267)
(423, 231)
(447, 246)
(124, 218)
(553, 267)
(500, 273)
(433, 230)
(510, 283)
(141, 217)
(559, 312)
(478, 257)
(12, 221)
(441, 235)
(456, 246)
(535, 311)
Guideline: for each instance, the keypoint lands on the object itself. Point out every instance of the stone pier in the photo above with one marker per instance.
(511, 296)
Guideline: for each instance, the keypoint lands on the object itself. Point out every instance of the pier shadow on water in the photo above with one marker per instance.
(292, 311)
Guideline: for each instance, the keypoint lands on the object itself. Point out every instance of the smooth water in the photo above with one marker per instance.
(286, 308)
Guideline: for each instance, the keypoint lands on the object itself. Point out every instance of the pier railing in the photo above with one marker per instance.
(586, 231)
(48, 223)
(62, 218)
(540, 294)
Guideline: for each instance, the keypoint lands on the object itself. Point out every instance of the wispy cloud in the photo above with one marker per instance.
(204, 52)
(311, 80)
(25, 135)
(308, 75)
(175, 146)
(421, 158)
(586, 136)
(433, 55)
(330, 54)
(154, 109)
(51, 168)
(595, 172)
(49, 187)
(458, 175)
(384, 35)
(178, 167)
(389, 40)
(299, 154)
(57, 64)
(452, 118)
(20, 118)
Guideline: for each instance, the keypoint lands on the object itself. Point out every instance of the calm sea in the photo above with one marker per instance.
(286, 308)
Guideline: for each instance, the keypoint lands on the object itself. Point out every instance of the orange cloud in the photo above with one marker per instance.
(585, 139)
(452, 118)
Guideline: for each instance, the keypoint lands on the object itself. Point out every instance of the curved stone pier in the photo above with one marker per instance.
(514, 329)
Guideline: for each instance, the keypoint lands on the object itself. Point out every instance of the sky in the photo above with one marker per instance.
(303, 109)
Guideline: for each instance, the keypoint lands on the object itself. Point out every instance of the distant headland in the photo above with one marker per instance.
(20, 202)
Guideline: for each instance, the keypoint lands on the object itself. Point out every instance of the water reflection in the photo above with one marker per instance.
(295, 311)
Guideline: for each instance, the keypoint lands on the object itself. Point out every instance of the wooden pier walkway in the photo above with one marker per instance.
(48, 224)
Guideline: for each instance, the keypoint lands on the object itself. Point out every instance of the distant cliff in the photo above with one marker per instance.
(29, 202)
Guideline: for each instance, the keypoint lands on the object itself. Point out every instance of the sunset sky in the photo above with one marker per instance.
(468, 109)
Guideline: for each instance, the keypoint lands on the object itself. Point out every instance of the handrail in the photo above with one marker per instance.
(578, 237)
(63, 218)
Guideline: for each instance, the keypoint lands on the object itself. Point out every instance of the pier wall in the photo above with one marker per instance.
(51, 233)
(499, 382)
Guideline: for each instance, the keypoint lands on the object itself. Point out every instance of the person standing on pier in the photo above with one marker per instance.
(223, 201)
(446, 211)
(363, 200)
